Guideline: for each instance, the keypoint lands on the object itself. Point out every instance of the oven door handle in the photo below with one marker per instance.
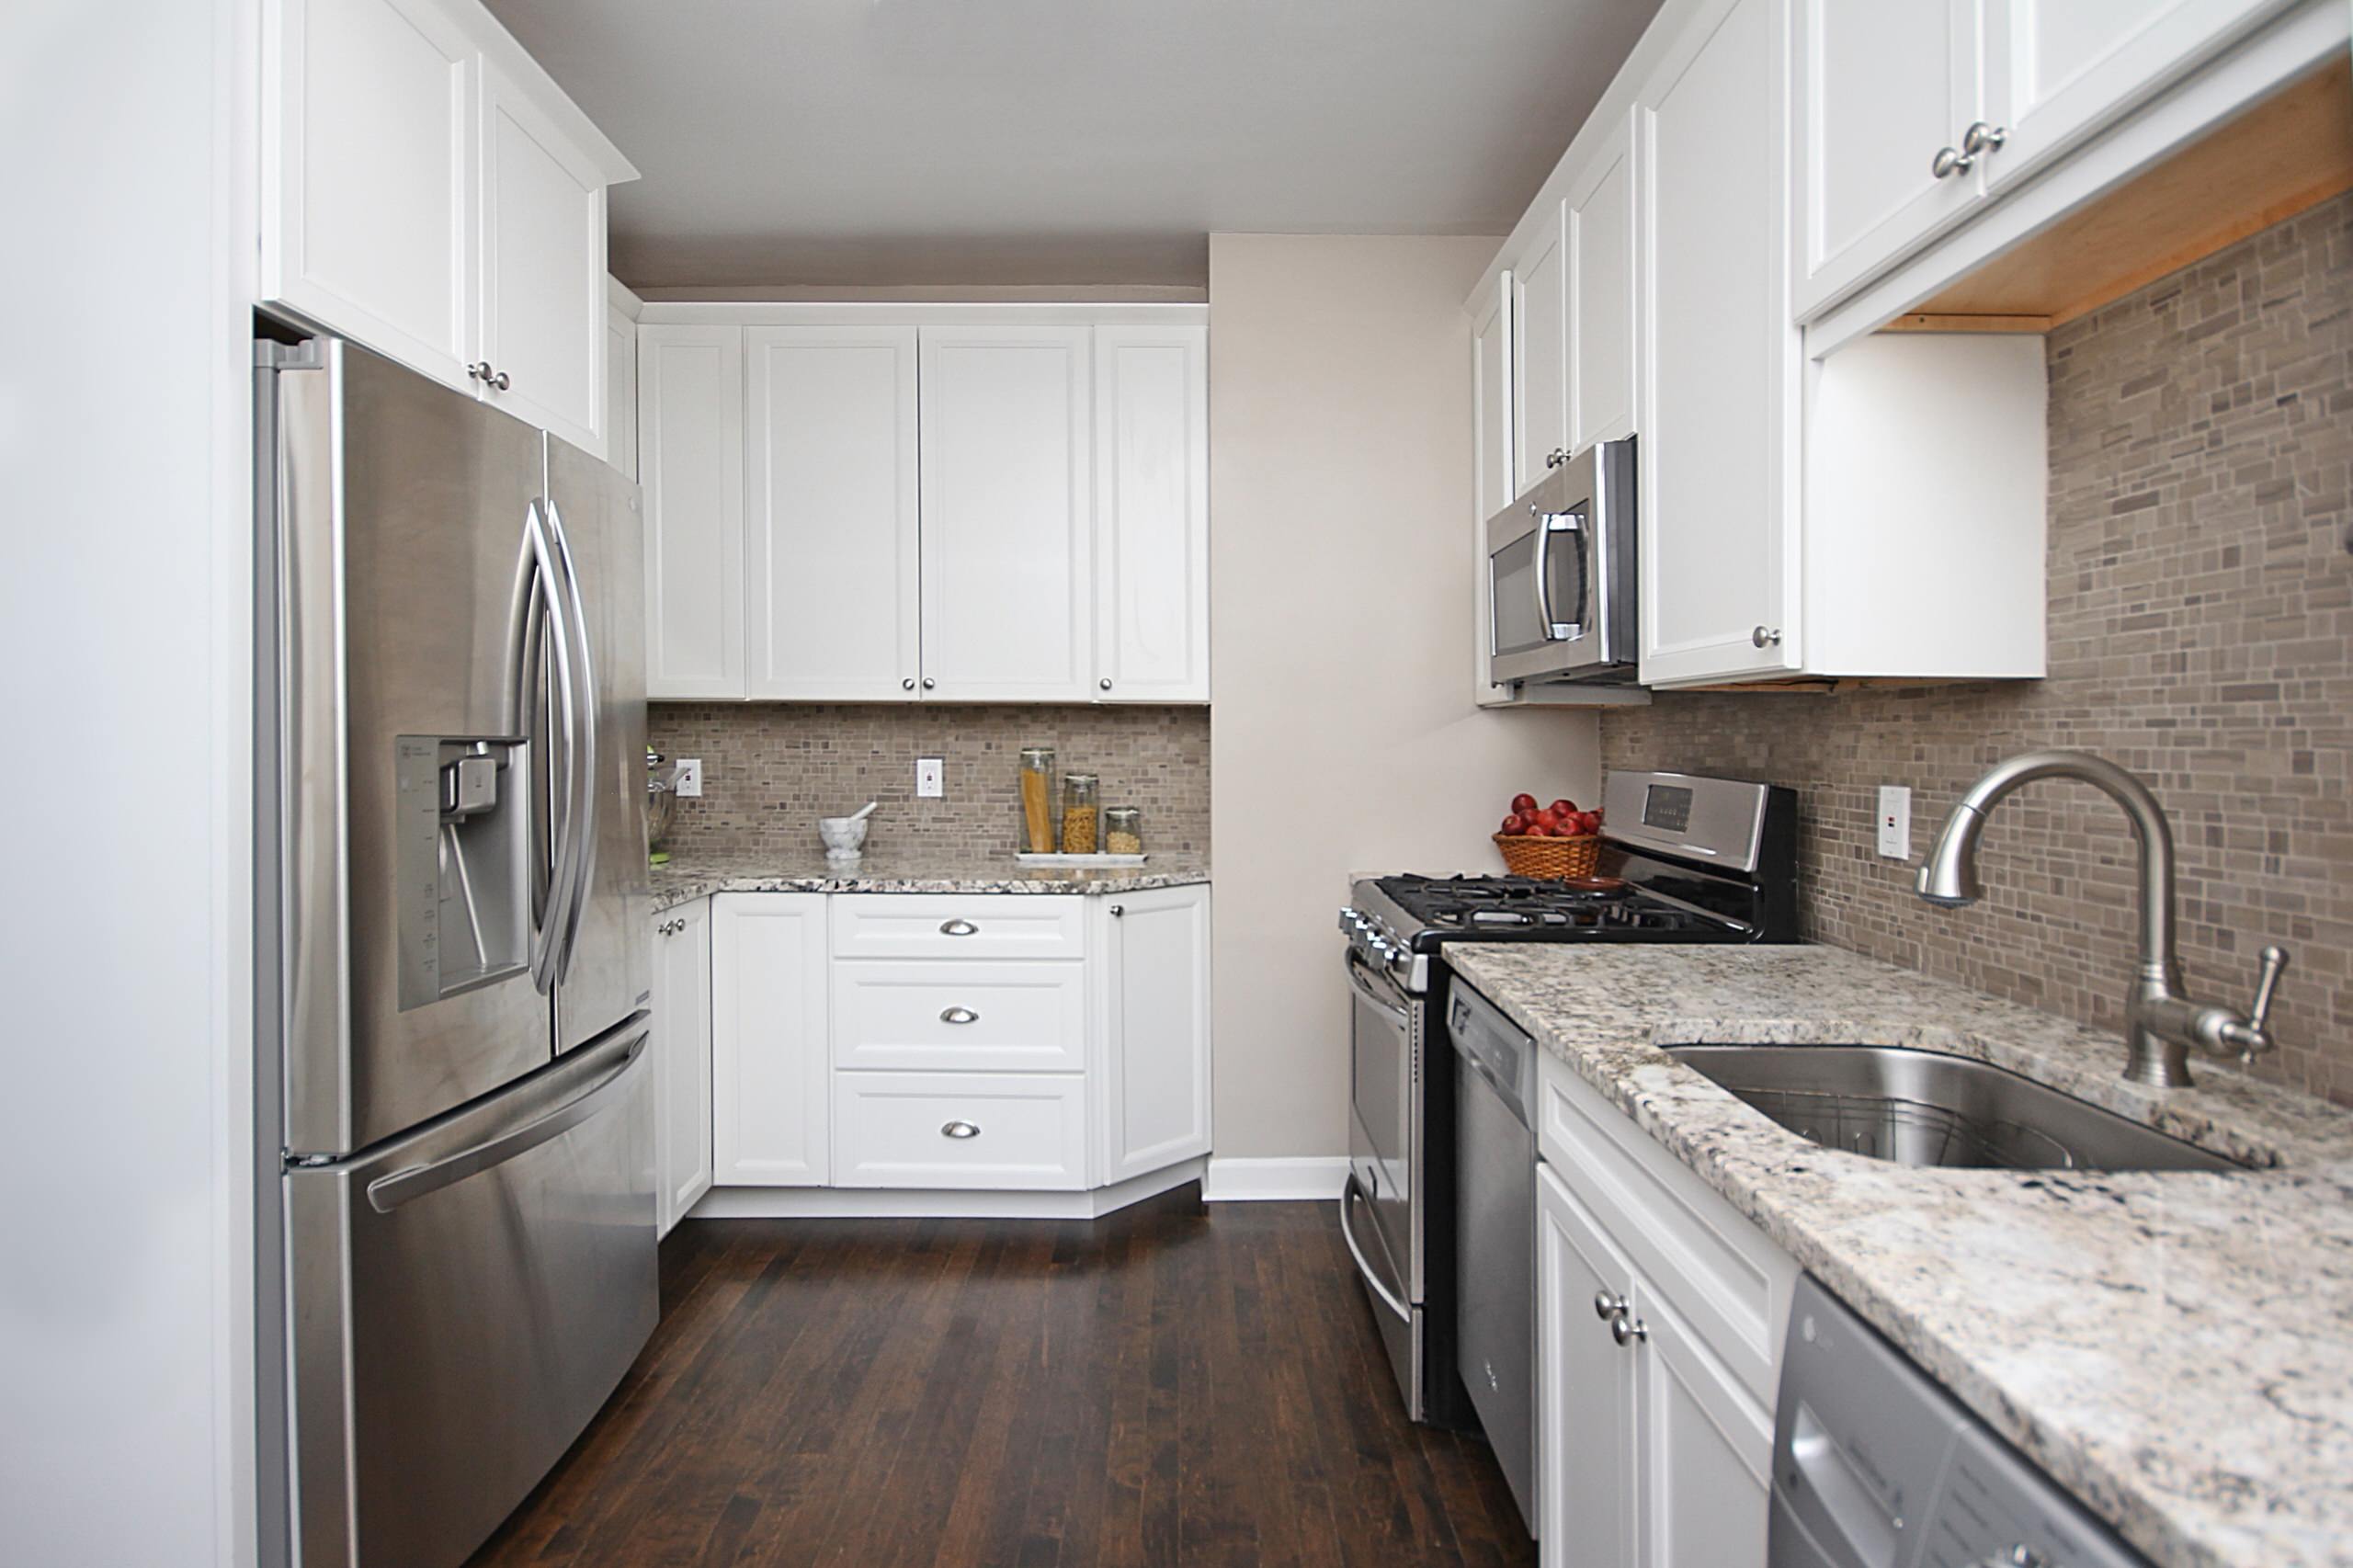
(1348, 1196)
(1365, 989)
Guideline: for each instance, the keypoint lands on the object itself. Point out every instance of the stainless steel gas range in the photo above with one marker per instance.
(1684, 859)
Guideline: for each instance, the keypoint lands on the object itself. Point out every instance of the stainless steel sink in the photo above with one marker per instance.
(1920, 1108)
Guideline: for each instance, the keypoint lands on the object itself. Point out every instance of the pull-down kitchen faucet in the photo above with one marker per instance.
(2162, 1024)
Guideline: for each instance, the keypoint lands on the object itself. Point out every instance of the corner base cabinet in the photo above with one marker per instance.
(937, 1047)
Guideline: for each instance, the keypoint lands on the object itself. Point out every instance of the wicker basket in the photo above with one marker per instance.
(1549, 858)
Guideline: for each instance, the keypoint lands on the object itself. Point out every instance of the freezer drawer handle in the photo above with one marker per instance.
(389, 1192)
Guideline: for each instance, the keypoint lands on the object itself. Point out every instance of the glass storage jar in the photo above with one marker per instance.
(1122, 830)
(1036, 777)
(1079, 812)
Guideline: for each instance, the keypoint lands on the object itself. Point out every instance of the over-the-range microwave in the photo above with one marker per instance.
(1561, 575)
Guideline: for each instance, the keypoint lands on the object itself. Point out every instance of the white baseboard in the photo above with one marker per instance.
(894, 1203)
(1299, 1179)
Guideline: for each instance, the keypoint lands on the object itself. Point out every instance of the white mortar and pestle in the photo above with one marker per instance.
(845, 837)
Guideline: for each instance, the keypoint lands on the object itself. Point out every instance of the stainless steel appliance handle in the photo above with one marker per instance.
(588, 699)
(1543, 569)
(1365, 989)
(595, 1071)
(1388, 1298)
(543, 620)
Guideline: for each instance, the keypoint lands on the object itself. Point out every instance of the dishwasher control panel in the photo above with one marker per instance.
(1875, 1465)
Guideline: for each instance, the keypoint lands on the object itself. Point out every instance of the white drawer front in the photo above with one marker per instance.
(959, 926)
(1028, 1132)
(1006, 1017)
(1725, 1276)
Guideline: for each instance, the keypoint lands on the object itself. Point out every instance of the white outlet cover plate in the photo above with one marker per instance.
(690, 777)
(1895, 821)
(931, 777)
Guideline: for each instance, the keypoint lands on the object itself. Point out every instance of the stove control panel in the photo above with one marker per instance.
(1382, 947)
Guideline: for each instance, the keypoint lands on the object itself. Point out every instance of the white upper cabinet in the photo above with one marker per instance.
(542, 329)
(1886, 91)
(2060, 69)
(368, 135)
(831, 573)
(1719, 353)
(1540, 356)
(1007, 504)
(429, 191)
(690, 455)
(1152, 513)
(621, 378)
(1600, 218)
(1494, 482)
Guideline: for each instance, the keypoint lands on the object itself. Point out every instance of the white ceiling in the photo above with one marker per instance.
(884, 143)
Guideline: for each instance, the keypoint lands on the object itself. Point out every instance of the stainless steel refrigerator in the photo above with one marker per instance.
(454, 970)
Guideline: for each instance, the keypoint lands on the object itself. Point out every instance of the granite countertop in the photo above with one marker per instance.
(2177, 1349)
(687, 877)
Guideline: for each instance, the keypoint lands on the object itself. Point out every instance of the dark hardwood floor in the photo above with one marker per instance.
(1171, 1385)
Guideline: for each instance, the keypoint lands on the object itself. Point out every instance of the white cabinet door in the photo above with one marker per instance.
(1152, 513)
(543, 225)
(1157, 1074)
(682, 1058)
(1600, 216)
(1492, 483)
(1585, 1442)
(831, 579)
(1007, 513)
(1540, 352)
(1719, 352)
(1882, 88)
(1706, 1450)
(770, 1066)
(620, 389)
(690, 449)
(2059, 70)
(368, 135)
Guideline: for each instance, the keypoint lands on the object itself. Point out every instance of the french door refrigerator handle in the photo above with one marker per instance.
(581, 827)
(537, 605)
(598, 1071)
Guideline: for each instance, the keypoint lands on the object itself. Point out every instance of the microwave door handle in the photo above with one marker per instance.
(1548, 629)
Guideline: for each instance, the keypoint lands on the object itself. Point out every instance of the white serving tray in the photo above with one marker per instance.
(1082, 860)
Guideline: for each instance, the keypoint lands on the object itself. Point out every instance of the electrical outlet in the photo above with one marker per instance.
(931, 777)
(1895, 821)
(689, 781)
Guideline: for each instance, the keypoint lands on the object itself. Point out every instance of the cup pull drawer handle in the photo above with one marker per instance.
(959, 1015)
(961, 1129)
(957, 928)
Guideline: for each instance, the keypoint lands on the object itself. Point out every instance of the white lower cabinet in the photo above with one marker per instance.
(771, 1074)
(1660, 1311)
(961, 1043)
(681, 1052)
(994, 1132)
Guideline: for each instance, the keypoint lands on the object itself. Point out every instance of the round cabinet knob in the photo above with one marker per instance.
(1105, 683)
(1983, 137)
(957, 928)
(908, 684)
(1766, 637)
(929, 683)
(1607, 1306)
(500, 381)
(1117, 910)
(959, 1130)
(959, 1015)
(1625, 1330)
(1556, 457)
(1949, 162)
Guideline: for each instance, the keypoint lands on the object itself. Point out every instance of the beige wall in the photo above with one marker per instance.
(1343, 736)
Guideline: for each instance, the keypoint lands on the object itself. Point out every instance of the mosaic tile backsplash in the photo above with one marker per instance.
(2201, 635)
(771, 769)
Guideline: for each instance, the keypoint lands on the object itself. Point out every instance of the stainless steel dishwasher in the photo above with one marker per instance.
(1876, 1466)
(1494, 1079)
